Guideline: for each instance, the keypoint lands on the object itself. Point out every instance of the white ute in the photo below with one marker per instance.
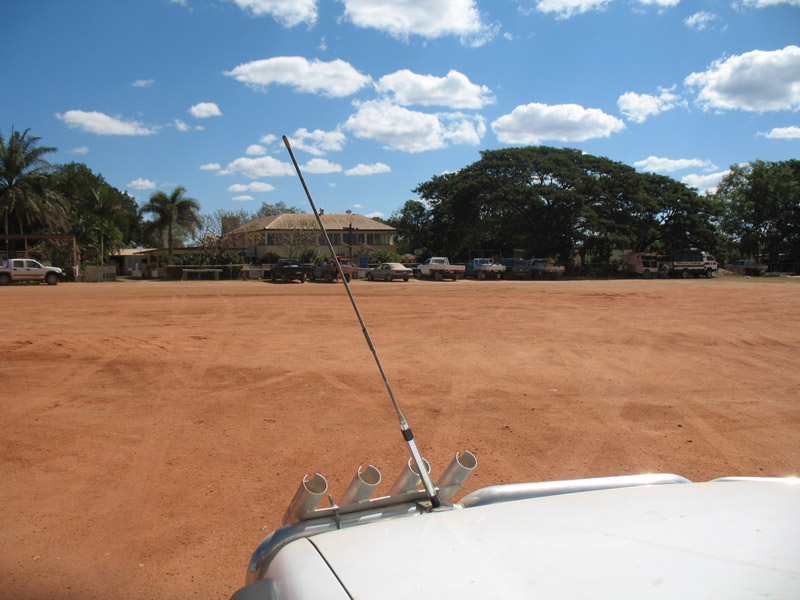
(27, 269)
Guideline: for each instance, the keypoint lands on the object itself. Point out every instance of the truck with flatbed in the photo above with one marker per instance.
(27, 269)
(439, 267)
(483, 268)
(543, 268)
(289, 269)
(516, 268)
(325, 269)
(747, 267)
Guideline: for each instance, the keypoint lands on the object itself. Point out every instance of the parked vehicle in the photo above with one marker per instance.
(289, 269)
(644, 264)
(390, 271)
(326, 270)
(543, 268)
(439, 268)
(481, 268)
(27, 269)
(684, 264)
(747, 267)
(516, 268)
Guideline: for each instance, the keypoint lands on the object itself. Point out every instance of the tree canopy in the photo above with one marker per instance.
(553, 202)
(26, 199)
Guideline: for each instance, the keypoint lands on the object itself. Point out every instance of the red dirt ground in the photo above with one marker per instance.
(153, 429)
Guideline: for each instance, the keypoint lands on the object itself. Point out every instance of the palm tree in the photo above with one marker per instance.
(24, 188)
(175, 210)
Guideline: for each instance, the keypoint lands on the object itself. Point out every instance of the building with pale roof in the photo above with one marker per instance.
(288, 235)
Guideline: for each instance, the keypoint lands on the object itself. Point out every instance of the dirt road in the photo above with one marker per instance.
(150, 430)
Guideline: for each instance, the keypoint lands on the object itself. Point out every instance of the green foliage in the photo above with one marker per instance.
(309, 255)
(171, 213)
(760, 203)
(384, 255)
(279, 208)
(26, 198)
(552, 202)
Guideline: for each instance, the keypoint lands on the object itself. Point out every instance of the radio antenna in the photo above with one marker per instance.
(404, 428)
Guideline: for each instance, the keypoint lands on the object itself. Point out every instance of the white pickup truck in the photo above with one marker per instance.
(27, 269)
(439, 267)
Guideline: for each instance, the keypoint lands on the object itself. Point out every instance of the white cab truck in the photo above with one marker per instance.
(482, 268)
(692, 263)
(27, 269)
(439, 267)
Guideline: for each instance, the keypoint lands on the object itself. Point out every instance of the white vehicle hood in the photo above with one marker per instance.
(735, 539)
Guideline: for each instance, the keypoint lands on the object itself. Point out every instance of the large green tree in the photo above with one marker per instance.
(171, 212)
(761, 203)
(26, 198)
(102, 217)
(554, 202)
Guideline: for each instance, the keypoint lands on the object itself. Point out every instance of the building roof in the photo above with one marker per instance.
(338, 222)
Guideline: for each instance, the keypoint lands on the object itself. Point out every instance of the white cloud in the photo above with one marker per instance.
(142, 184)
(411, 131)
(756, 81)
(286, 12)
(321, 166)
(655, 164)
(700, 20)
(317, 142)
(766, 3)
(705, 183)
(142, 83)
(256, 186)
(534, 123)
(783, 133)
(102, 124)
(564, 9)
(638, 107)
(377, 214)
(334, 79)
(455, 90)
(81, 150)
(268, 139)
(429, 19)
(180, 125)
(264, 166)
(255, 150)
(210, 167)
(203, 110)
(373, 169)
(243, 198)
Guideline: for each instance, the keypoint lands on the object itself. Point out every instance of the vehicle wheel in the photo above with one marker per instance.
(709, 273)
(51, 279)
(302, 278)
(405, 279)
(312, 276)
(346, 277)
(457, 276)
(272, 277)
(5, 278)
(369, 277)
(417, 274)
(389, 277)
(646, 274)
(685, 274)
(285, 278)
(437, 275)
(481, 275)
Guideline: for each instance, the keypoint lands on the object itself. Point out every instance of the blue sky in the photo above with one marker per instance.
(380, 95)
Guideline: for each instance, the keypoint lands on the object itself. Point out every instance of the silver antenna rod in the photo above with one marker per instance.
(404, 428)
